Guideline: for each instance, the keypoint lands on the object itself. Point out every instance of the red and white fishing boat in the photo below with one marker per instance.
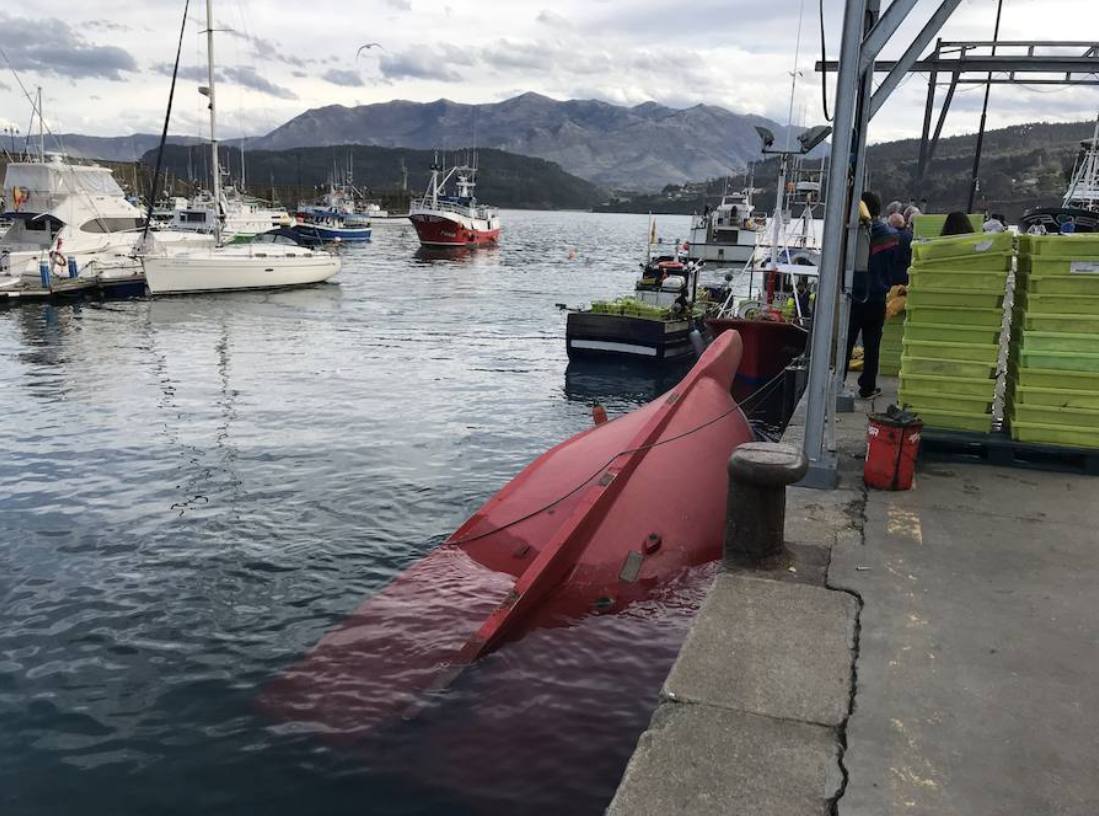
(458, 220)
(594, 525)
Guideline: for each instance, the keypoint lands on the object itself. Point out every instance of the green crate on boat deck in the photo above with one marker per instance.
(954, 315)
(967, 352)
(935, 384)
(958, 246)
(945, 333)
(1079, 245)
(1076, 285)
(1054, 378)
(1056, 397)
(949, 278)
(1056, 304)
(989, 262)
(1067, 323)
(1062, 360)
(1058, 265)
(1054, 434)
(933, 296)
(957, 420)
(938, 367)
(1059, 341)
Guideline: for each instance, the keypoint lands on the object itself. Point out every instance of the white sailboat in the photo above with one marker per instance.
(261, 265)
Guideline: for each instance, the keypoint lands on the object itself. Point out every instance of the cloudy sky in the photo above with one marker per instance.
(104, 70)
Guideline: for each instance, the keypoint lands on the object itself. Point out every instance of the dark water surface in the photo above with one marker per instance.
(194, 490)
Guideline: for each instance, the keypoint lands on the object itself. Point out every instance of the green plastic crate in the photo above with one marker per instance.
(954, 315)
(946, 278)
(1061, 360)
(989, 262)
(1059, 341)
(934, 296)
(1055, 378)
(1054, 415)
(1081, 245)
(1056, 397)
(1066, 284)
(930, 225)
(939, 400)
(1068, 323)
(1033, 303)
(959, 246)
(1023, 431)
(957, 420)
(1059, 265)
(938, 367)
(945, 333)
(967, 352)
(961, 386)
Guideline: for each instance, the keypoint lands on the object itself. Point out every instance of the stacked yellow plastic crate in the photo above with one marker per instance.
(953, 326)
(1052, 394)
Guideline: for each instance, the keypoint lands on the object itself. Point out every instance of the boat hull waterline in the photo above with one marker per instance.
(445, 229)
(181, 274)
(566, 538)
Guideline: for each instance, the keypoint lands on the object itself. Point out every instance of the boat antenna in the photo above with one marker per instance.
(973, 182)
(794, 75)
(164, 133)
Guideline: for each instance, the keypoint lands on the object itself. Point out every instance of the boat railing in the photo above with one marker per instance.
(426, 205)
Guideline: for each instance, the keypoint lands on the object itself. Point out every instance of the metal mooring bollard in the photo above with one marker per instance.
(755, 517)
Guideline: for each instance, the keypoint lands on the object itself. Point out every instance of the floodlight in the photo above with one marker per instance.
(767, 136)
(813, 137)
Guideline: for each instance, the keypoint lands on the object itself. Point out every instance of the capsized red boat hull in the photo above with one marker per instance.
(591, 526)
(444, 229)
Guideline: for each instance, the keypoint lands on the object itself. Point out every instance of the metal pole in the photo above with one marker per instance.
(213, 121)
(822, 464)
(929, 110)
(862, 122)
(984, 116)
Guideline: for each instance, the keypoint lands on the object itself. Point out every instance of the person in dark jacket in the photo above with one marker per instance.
(868, 292)
(957, 223)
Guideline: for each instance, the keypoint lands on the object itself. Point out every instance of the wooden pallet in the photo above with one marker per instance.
(998, 448)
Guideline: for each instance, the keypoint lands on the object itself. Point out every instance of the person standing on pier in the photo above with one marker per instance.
(868, 292)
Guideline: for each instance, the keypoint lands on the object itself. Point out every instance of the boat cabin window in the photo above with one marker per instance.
(192, 216)
(112, 225)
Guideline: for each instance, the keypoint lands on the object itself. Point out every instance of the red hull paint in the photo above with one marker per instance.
(592, 526)
(769, 346)
(444, 230)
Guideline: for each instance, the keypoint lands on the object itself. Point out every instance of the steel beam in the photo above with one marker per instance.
(883, 29)
(822, 462)
(912, 54)
(1001, 63)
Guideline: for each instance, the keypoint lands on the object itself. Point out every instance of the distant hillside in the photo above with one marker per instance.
(506, 179)
(111, 148)
(642, 147)
(1023, 166)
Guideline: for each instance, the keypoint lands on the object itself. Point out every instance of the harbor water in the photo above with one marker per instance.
(194, 490)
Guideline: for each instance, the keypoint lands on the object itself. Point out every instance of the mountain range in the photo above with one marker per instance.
(643, 147)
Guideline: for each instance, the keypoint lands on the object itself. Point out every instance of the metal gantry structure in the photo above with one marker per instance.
(865, 33)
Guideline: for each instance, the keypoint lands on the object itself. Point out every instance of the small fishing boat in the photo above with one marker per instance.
(726, 234)
(453, 220)
(655, 323)
(595, 524)
(318, 225)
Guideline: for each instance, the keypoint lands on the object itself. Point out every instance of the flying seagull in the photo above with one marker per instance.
(365, 47)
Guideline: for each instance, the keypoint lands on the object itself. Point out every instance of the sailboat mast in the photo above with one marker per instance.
(41, 128)
(215, 170)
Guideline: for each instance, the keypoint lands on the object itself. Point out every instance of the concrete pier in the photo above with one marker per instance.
(926, 652)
